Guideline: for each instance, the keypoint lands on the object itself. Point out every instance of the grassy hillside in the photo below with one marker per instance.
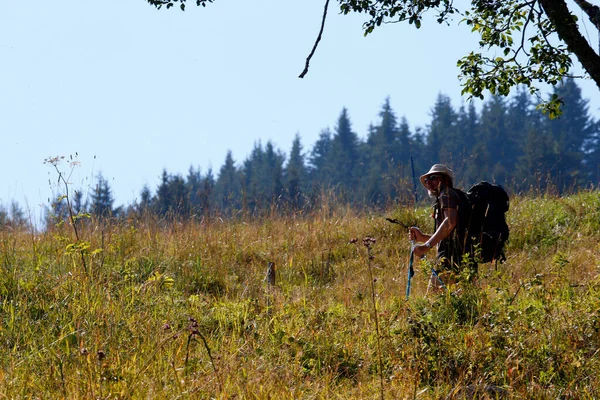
(183, 310)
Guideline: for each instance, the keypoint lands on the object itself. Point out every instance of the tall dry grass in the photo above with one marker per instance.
(182, 309)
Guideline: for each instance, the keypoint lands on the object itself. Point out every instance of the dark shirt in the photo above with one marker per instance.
(447, 199)
(450, 249)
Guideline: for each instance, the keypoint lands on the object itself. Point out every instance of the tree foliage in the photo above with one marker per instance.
(102, 199)
(522, 42)
(505, 142)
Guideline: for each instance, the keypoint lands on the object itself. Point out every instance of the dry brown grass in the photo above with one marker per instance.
(134, 326)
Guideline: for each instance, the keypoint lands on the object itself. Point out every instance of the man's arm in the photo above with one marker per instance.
(416, 235)
(442, 232)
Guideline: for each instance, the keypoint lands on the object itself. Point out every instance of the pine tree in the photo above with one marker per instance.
(405, 144)
(272, 174)
(57, 212)
(570, 132)
(592, 156)
(208, 185)
(145, 203)
(493, 146)
(442, 132)
(163, 200)
(17, 216)
(468, 127)
(296, 176)
(387, 138)
(252, 185)
(519, 119)
(382, 158)
(4, 217)
(522, 124)
(193, 187)
(419, 152)
(228, 188)
(79, 205)
(179, 195)
(536, 162)
(372, 187)
(319, 168)
(344, 160)
(102, 199)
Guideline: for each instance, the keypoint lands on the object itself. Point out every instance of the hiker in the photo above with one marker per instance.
(449, 235)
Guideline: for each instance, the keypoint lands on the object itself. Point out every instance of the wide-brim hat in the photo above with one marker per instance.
(438, 169)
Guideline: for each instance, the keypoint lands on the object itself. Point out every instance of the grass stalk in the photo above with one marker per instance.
(368, 242)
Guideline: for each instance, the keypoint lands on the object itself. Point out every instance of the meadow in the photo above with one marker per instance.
(154, 309)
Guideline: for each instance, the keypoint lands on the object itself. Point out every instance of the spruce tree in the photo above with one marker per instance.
(382, 158)
(145, 202)
(272, 174)
(522, 122)
(193, 186)
(296, 175)
(537, 161)
(493, 146)
(17, 216)
(79, 205)
(468, 128)
(319, 167)
(344, 160)
(372, 187)
(4, 217)
(442, 132)
(252, 185)
(570, 131)
(178, 193)
(208, 185)
(57, 212)
(228, 187)
(592, 156)
(102, 198)
(405, 145)
(164, 198)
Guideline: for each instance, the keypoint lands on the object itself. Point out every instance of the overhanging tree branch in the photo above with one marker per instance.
(305, 71)
(566, 27)
(549, 38)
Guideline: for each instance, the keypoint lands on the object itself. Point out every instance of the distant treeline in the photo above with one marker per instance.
(508, 142)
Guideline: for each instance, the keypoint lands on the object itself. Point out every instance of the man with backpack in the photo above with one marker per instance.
(451, 220)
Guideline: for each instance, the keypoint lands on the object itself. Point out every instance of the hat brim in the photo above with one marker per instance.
(422, 178)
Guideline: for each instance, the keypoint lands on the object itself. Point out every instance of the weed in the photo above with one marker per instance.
(181, 310)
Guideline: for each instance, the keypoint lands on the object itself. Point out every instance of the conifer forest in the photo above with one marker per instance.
(506, 141)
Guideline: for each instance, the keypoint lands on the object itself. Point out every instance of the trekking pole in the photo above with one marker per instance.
(411, 271)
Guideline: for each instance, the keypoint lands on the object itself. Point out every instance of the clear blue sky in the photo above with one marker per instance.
(133, 90)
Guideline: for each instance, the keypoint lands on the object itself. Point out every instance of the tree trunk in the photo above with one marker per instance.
(558, 13)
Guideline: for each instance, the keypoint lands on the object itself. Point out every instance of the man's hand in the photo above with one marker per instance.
(415, 234)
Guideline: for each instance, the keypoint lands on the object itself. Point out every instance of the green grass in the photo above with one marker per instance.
(183, 310)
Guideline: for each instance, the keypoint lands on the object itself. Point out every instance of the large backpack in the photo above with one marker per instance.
(485, 222)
